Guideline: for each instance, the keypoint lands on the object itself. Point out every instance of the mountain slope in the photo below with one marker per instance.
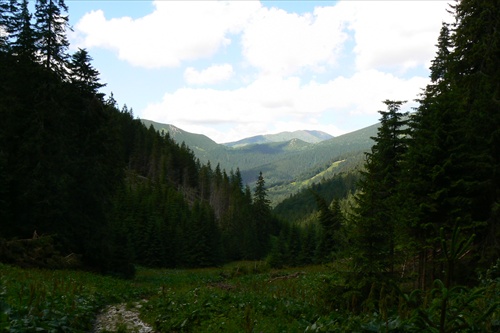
(194, 141)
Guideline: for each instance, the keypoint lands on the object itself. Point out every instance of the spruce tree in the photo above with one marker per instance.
(476, 71)
(262, 215)
(83, 75)
(261, 200)
(22, 34)
(52, 42)
(278, 255)
(376, 216)
(331, 221)
(294, 248)
(453, 153)
(430, 162)
(4, 23)
(309, 244)
(205, 174)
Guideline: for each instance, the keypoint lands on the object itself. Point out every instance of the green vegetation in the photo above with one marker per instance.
(34, 300)
(239, 297)
(301, 205)
(408, 243)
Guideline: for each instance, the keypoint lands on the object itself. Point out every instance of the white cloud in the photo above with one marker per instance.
(273, 104)
(373, 44)
(387, 34)
(283, 43)
(3, 32)
(210, 75)
(175, 32)
(394, 34)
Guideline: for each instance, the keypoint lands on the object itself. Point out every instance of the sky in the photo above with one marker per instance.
(235, 69)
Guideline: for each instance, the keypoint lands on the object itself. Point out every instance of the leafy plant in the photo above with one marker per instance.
(465, 310)
(56, 301)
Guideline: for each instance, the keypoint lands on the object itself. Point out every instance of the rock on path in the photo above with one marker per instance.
(123, 318)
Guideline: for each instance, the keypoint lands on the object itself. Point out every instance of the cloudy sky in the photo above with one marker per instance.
(235, 69)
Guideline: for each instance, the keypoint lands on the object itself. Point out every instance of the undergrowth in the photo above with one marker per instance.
(240, 297)
(34, 300)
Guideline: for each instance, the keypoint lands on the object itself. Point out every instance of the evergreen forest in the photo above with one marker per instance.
(410, 239)
(78, 169)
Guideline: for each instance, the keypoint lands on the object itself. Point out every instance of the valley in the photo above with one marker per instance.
(289, 165)
(109, 219)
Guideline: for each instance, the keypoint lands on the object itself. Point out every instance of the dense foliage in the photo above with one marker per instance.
(34, 300)
(238, 297)
(425, 212)
(300, 205)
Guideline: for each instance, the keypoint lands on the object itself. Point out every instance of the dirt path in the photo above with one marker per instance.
(122, 318)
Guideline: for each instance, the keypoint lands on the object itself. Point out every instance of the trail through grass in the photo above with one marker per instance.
(239, 297)
(244, 296)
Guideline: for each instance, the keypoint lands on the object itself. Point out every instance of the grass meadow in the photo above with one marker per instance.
(238, 297)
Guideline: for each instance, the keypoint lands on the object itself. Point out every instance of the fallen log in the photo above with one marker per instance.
(286, 277)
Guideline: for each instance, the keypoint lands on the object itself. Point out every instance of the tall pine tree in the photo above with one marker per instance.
(262, 216)
(4, 23)
(476, 71)
(51, 27)
(21, 32)
(83, 75)
(331, 220)
(453, 155)
(377, 216)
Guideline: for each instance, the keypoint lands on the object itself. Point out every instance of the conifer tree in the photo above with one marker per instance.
(430, 162)
(278, 255)
(52, 42)
(294, 245)
(262, 215)
(22, 34)
(476, 71)
(374, 226)
(205, 175)
(331, 221)
(455, 134)
(240, 231)
(4, 23)
(261, 200)
(83, 75)
(309, 244)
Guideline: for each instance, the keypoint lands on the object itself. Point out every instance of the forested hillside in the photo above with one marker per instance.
(83, 179)
(289, 166)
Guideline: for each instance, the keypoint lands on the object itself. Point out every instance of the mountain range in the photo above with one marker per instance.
(289, 161)
(304, 135)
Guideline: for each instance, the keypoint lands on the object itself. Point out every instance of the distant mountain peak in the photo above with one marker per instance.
(308, 136)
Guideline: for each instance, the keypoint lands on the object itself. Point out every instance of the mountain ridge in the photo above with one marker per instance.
(309, 136)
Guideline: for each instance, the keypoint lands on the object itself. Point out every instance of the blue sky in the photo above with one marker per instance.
(235, 69)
